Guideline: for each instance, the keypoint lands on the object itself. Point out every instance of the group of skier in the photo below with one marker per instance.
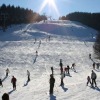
(5, 96)
(14, 80)
(93, 78)
(65, 71)
(51, 81)
(7, 71)
(95, 65)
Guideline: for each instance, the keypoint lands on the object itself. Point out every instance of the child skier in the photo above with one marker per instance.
(88, 80)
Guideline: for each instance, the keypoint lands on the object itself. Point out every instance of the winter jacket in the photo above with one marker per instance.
(88, 78)
(13, 80)
(52, 81)
(61, 65)
(93, 75)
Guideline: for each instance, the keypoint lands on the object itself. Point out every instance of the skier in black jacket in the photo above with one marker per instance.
(5, 96)
(61, 66)
(93, 77)
(51, 81)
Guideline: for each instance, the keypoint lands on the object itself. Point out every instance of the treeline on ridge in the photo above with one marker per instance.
(89, 19)
(17, 15)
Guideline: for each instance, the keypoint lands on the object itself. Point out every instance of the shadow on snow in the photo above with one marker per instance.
(52, 97)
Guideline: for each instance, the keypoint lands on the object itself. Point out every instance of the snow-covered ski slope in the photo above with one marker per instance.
(70, 41)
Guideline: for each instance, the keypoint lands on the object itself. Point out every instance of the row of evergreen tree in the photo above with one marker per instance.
(17, 15)
(89, 19)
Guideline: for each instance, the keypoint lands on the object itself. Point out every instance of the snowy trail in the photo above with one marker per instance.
(66, 43)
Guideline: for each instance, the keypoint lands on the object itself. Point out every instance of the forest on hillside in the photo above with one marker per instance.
(16, 15)
(89, 19)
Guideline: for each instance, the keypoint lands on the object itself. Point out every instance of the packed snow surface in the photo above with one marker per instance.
(70, 41)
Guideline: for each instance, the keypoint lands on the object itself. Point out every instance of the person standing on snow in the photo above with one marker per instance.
(93, 77)
(28, 74)
(5, 96)
(36, 53)
(68, 69)
(61, 66)
(52, 70)
(94, 65)
(7, 71)
(1, 83)
(51, 81)
(13, 81)
(88, 80)
(89, 56)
